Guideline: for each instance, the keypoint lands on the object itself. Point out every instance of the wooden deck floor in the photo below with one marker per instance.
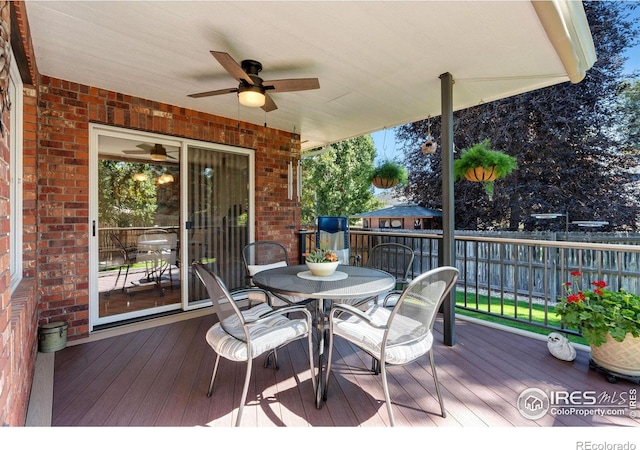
(159, 377)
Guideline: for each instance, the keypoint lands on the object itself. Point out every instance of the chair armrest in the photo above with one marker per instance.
(344, 308)
(280, 311)
(244, 293)
(396, 292)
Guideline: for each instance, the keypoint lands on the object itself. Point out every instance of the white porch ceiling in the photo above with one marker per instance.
(378, 62)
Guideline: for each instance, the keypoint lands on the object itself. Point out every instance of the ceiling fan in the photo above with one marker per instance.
(157, 152)
(252, 90)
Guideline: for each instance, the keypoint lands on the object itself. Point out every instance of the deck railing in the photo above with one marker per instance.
(513, 278)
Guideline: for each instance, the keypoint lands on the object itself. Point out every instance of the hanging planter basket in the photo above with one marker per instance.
(384, 183)
(481, 174)
(480, 163)
(388, 175)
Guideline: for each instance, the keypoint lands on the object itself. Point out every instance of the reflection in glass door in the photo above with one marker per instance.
(218, 209)
(138, 226)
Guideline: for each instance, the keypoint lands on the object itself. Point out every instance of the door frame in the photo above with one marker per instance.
(96, 130)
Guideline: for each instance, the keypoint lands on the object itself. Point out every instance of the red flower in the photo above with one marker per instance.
(575, 273)
(599, 284)
(574, 298)
(569, 283)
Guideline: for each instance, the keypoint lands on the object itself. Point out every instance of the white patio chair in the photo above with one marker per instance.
(245, 335)
(398, 336)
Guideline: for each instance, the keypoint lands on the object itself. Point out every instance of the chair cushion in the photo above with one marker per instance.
(255, 268)
(368, 338)
(265, 336)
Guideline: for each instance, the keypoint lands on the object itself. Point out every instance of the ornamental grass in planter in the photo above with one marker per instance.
(483, 164)
(389, 174)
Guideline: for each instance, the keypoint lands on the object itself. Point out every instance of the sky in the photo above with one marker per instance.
(387, 148)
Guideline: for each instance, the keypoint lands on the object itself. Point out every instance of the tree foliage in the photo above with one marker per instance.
(571, 154)
(337, 182)
(123, 201)
(631, 114)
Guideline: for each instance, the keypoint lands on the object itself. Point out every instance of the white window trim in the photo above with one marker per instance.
(15, 167)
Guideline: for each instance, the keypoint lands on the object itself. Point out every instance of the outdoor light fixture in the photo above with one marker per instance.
(252, 96)
(140, 177)
(590, 223)
(580, 223)
(555, 216)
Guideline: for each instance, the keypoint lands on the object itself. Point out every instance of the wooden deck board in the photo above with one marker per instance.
(159, 377)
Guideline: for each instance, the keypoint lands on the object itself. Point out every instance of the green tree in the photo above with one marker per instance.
(631, 113)
(123, 201)
(337, 183)
(571, 154)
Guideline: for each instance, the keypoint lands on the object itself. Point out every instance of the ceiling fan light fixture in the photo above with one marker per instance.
(158, 157)
(165, 178)
(252, 96)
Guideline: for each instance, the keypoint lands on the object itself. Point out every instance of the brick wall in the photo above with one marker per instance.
(18, 312)
(65, 110)
(56, 121)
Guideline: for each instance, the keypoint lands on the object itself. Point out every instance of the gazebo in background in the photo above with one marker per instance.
(405, 216)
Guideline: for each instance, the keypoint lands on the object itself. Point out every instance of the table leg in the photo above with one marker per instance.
(322, 326)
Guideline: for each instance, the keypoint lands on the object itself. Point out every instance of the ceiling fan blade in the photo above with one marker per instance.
(269, 104)
(136, 152)
(171, 157)
(293, 84)
(232, 66)
(212, 93)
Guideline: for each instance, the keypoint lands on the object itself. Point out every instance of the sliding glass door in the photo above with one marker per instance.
(218, 213)
(157, 204)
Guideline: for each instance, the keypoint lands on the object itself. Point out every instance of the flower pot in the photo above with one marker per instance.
(384, 183)
(480, 174)
(619, 357)
(322, 269)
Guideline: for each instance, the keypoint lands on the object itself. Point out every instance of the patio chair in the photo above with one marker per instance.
(128, 255)
(263, 255)
(398, 336)
(395, 259)
(333, 234)
(245, 335)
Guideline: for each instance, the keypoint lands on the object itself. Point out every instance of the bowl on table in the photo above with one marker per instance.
(322, 269)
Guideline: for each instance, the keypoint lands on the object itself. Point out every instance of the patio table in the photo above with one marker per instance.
(154, 249)
(350, 282)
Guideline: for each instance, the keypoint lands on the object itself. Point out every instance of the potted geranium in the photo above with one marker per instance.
(608, 320)
(482, 163)
(321, 262)
(389, 174)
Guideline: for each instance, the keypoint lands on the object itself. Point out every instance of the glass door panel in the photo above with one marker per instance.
(218, 215)
(138, 228)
